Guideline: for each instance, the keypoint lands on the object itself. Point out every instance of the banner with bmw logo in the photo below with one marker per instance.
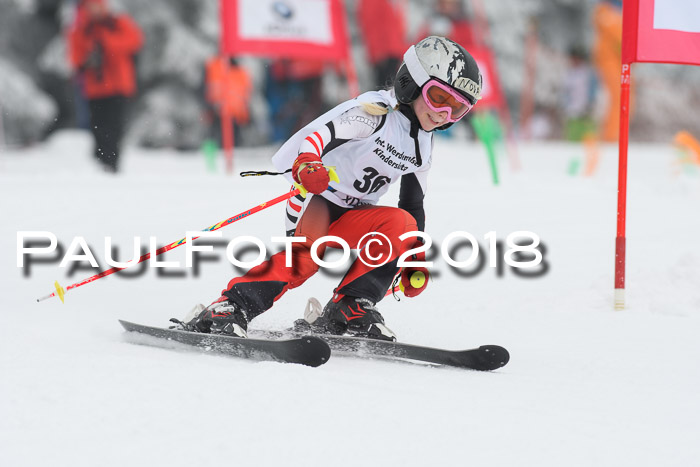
(311, 29)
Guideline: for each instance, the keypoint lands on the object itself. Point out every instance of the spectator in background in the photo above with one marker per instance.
(450, 19)
(383, 29)
(228, 91)
(578, 96)
(607, 56)
(102, 46)
(293, 92)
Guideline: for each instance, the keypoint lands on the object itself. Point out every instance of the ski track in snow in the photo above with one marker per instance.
(585, 385)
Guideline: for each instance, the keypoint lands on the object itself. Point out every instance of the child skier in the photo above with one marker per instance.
(372, 141)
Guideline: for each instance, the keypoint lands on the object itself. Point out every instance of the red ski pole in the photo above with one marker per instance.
(60, 291)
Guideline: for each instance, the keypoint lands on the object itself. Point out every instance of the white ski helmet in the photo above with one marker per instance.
(440, 58)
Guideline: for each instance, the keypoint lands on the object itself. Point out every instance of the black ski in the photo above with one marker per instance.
(483, 358)
(302, 349)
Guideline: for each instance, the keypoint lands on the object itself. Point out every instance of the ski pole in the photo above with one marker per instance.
(60, 291)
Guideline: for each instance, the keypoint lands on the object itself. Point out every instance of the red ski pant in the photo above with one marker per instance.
(257, 290)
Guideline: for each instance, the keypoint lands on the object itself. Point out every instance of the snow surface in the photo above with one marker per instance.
(586, 385)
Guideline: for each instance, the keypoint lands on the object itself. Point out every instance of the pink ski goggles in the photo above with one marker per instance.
(440, 97)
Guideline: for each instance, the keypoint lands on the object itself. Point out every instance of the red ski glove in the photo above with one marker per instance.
(414, 279)
(309, 172)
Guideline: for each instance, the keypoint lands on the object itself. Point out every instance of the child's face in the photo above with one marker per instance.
(429, 119)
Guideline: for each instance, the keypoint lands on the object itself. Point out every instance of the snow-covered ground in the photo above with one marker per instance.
(585, 386)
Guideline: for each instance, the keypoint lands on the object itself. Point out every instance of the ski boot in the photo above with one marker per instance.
(355, 316)
(223, 317)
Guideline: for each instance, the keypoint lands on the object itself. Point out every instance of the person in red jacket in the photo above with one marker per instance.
(384, 44)
(102, 46)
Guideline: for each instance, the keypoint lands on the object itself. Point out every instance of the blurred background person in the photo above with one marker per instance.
(102, 46)
(293, 89)
(228, 92)
(578, 96)
(450, 18)
(383, 30)
(607, 56)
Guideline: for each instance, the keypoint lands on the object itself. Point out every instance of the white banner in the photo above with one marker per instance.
(286, 20)
(677, 15)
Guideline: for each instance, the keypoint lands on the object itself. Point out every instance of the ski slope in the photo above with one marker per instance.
(585, 385)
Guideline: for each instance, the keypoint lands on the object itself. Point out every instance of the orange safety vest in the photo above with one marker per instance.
(228, 88)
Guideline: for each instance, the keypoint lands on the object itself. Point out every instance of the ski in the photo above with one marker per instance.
(301, 349)
(483, 358)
